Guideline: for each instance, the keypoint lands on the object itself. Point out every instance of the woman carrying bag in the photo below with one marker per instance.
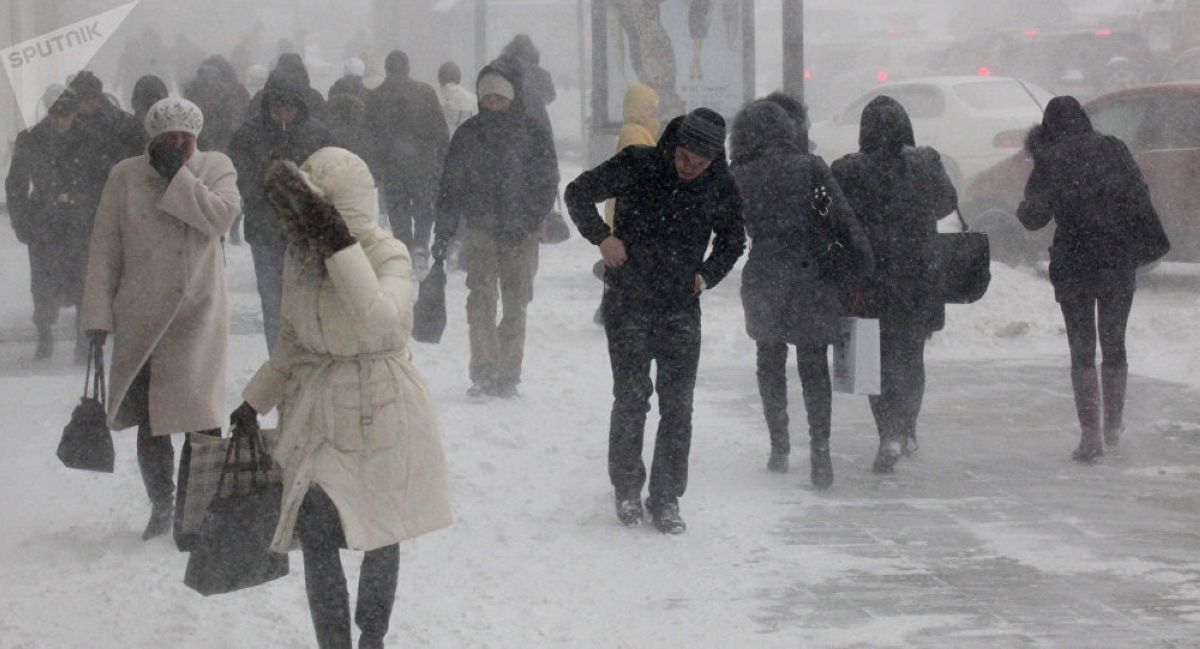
(362, 462)
(787, 292)
(1091, 187)
(899, 192)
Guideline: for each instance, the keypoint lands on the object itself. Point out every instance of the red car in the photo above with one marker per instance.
(1161, 126)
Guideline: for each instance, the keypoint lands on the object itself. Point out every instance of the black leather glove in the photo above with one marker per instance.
(166, 160)
(439, 248)
(97, 337)
(244, 419)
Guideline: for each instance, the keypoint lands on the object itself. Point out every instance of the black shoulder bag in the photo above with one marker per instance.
(86, 442)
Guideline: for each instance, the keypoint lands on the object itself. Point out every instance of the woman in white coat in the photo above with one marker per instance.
(156, 282)
(362, 461)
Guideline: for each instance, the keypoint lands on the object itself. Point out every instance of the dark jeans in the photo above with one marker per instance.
(268, 271)
(902, 360)
(1080, 315)
(813, 364)
(321, 536)
(410, 211)
(672, 340)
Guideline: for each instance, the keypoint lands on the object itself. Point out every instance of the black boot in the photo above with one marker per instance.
(156, 459)
(376, 595)
(45, 344)
(822, 464)
(667, 519)
(1086, 385)
(1113, 382)
(778, 462)
(885, 458)
(772, 389)
(629, 509)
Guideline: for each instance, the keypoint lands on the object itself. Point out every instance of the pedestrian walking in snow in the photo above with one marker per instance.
(148, 90)
(53, 186)
(898, 192)
(291, 71)
(222, 99)
(671, 201)
(405, 124)
(1093, 190)
(788, 293)
(283, 129)
(156, 283)
(351, 82)
(121, 136)
(501, 179)
(362, 462)
(537, 86)
(458, 104)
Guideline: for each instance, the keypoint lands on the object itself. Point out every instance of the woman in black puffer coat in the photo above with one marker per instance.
(899, 192)
(1091, 187)
(787, 301)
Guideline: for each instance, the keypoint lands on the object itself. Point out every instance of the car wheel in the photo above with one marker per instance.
(1006, 237)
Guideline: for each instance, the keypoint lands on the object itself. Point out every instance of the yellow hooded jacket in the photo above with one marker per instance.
(641, 128)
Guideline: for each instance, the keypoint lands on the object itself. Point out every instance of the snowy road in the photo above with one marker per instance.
(990, 538)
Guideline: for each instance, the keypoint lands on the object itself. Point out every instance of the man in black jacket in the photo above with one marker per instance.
(53, 187)
(672, 199)
(121, 136)
(282, 129)
(501, 177)
(404, 121)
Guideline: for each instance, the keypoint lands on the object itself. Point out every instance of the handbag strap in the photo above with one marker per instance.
(93, 382)
(965, 227)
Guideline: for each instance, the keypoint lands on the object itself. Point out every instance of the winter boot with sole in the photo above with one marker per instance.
(885, 458)
(629, 510)
(822, 464)
(1086, 385)
(778, 462)
(667, 519)
(160, 522)
(1113, 382)
(909, 445)
(480, 391)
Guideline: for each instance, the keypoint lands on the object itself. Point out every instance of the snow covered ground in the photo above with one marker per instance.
(989, 538)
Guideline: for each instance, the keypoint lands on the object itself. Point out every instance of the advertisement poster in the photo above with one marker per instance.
(692, 52)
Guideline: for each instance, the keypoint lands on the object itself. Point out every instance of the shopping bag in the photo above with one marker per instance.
(200, 467)
(554, 227)
(429, 314)
(856, 363)
(86, 441)
(233, 549)
(962, 265)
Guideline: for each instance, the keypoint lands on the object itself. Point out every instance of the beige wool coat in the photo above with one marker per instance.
(156, 283)
(355, 415)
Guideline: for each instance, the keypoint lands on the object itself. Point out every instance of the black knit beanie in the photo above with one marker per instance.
(703, 132)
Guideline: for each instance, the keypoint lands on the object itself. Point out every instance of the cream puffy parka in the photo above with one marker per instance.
(355, 416)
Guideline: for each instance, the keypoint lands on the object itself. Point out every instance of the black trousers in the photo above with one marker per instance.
(902, 364)
(411, 213)
(813, 364)
(672, 341)
(56, 281)
(1110, 311)
(321, 536)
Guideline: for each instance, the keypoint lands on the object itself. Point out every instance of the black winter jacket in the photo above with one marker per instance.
(899, 192)
(665, 224)
(784, 298)
(54, 185)
(261, 140)
(408, 134)
(1091, 187)
(501, 174)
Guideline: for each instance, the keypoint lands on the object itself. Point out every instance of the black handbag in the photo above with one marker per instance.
(86, 442)
(554, 227)
(233, 550)
(961, 265)
(429, 313)
(834, 258)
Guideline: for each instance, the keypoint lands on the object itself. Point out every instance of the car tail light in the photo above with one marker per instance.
(984, 71)
(1104, 32)
(1009, 139)
(1030, 32)
(808, 74)
(883, 76)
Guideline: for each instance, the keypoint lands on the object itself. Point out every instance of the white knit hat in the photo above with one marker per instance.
(173, 114)
(494, 84)
(354, 67)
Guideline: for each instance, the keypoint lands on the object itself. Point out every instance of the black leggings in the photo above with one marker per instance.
(321, 536)
(813, 363)
(1080, 314)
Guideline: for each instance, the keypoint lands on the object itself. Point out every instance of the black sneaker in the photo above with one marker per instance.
(629, 511)
(667, 519)
(885, 459)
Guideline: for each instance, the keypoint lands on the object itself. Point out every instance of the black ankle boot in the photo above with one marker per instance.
(45, 344)
(160, 522)
(778, 462)
(822, 464)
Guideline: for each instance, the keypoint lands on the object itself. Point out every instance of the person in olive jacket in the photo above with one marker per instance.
(1091, 187)
(671, 201)
(788, 290)
(898, 192)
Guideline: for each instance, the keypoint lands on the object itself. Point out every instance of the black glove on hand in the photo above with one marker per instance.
(244, 419)
(439, 248)
(166, 160)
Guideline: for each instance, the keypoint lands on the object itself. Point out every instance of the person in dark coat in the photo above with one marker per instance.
(282, 129)
(121, 135)
(148, 90)
(501, 178)
(222, 102)
(290, 69)
(345, 115)
(898, 192)
(51, 190)
(787, 299)
(351, 82)
(404, 121)
(671, 201)
(1091, 187)
(536, 83)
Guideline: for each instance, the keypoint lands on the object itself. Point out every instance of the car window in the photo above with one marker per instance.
(1178, 118)
(1122, 117)
(995, 95)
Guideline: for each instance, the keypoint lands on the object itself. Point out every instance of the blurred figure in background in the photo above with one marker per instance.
(121, 136)
(351, 82)
(148, 90)
(290, 70)
(410, 139)
(458, 104)
(223, 100)
(51, 190)
(537, 86)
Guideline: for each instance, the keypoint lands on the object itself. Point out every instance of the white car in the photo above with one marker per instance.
(974, 122)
